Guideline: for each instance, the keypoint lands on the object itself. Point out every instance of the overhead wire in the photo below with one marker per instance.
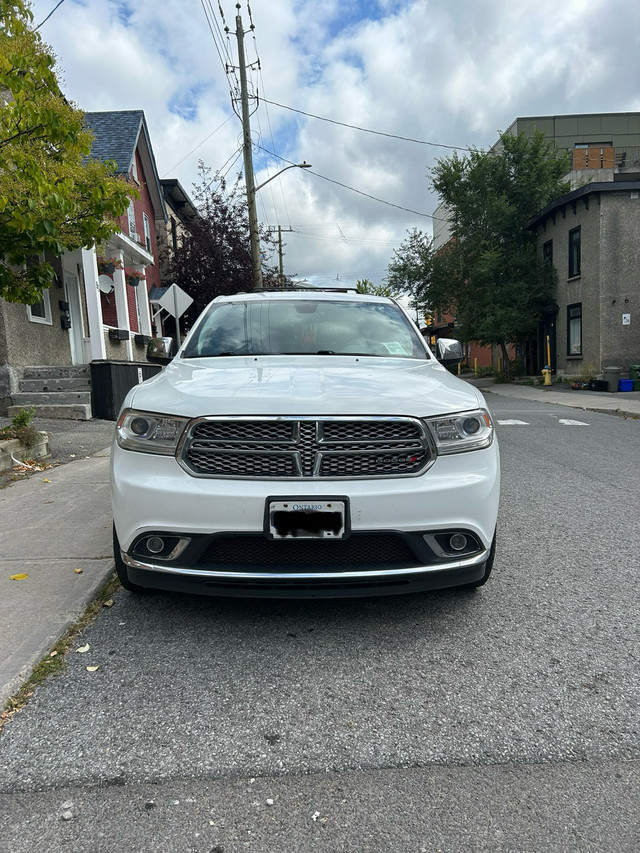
(368, 130)
(57, 6)
(213, 132)
(359, 192)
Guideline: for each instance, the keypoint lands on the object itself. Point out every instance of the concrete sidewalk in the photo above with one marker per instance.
(624, 404)
(52, 523)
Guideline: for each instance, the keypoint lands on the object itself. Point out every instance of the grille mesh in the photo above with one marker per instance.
(256, 553)
(295, 448)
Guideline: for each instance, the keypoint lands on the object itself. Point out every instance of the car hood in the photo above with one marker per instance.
(299, 385)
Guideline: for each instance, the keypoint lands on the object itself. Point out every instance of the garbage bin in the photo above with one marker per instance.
(110, 381)
(634, 371)
(612, 376)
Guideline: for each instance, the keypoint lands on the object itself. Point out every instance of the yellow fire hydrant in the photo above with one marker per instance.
(547, 376)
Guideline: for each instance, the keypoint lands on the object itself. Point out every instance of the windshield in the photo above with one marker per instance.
(304, 327)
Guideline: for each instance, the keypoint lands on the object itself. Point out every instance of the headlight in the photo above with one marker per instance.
(462, 432)
(149, 433)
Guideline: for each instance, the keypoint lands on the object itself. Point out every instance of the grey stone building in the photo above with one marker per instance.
(591, 236)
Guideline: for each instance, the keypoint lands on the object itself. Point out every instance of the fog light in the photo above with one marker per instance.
(155, 544)
(458, 542)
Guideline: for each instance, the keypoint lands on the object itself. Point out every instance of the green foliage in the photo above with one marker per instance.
(363, 285)
(20, 428)
(411, 269)
(53, 197)
(490, 273)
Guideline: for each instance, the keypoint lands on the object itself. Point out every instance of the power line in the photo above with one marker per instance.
(375, 132)
(359, 192)
(198, 145)
(49, 15)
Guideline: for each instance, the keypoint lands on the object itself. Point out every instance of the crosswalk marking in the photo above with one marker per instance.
(513, 423)
(568, 422)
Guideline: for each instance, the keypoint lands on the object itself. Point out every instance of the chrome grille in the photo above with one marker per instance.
(305, 448)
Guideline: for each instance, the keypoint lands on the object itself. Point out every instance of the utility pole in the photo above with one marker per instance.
(280, 264)
(248, 160)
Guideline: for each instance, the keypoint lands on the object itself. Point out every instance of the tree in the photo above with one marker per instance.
(411, 269)
(490, 274)
(53, 197)
(214, 256)
(363, 285)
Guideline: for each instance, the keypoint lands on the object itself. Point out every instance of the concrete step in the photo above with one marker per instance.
(65, 371)
(72, 411)
(50, 398)
(71, 383)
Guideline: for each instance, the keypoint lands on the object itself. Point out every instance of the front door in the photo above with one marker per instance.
(72, 294)
(547, 340)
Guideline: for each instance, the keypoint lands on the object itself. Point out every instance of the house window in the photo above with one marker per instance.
(174, 234)
(40, 312)
(574, 252)
(131, 213)
(147, 232)
(574, 329)
(547, 252)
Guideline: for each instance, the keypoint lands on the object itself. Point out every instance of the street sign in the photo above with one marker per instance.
(175, 301)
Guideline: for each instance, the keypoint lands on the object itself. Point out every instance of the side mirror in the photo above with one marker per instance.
(449, 351)
(160, 350)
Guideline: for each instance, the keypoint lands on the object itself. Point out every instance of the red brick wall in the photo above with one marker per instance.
(140, 206)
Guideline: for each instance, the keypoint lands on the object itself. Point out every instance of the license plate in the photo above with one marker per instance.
(306, 519)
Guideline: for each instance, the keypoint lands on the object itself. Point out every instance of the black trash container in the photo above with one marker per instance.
(110, 382)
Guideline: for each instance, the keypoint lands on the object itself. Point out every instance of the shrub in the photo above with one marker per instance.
(21, 428)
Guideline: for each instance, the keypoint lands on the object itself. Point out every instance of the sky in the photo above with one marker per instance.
(421, 78)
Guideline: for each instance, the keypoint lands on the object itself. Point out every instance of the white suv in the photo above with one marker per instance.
(304, 444)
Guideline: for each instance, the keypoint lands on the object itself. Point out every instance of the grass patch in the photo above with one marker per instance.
(54, 662)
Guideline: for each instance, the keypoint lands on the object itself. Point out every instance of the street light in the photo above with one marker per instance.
(253, 222)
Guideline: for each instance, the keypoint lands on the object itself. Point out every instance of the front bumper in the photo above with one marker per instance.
(390, 547)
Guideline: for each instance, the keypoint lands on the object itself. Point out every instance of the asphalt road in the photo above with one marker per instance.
(505, 719)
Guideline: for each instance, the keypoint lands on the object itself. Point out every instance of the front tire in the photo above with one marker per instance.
(121, 569)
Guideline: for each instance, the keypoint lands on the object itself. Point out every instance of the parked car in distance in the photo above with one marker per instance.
(304, 444)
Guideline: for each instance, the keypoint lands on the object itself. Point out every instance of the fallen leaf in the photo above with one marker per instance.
(108, 603)
(19, 577)
(82, 649)
(46, 480)
(78, 571)
(92, 668)
(53, 654)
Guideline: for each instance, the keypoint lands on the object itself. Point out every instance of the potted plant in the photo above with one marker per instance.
(134, 276)
(107, 266)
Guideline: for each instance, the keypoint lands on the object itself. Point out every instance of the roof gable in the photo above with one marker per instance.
(117, 135)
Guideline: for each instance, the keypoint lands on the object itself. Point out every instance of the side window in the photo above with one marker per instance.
(574, 329)
(40, 312)
(132, 221)
(574, 252)
(547, 252)
(147, 232)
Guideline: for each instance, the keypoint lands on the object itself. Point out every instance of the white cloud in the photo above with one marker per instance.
(440, 71)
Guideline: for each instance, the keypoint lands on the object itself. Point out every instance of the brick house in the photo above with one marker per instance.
(88, 317)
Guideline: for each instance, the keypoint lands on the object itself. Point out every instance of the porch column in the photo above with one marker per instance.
(144, 308)
(94, 308)
(122, 306)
